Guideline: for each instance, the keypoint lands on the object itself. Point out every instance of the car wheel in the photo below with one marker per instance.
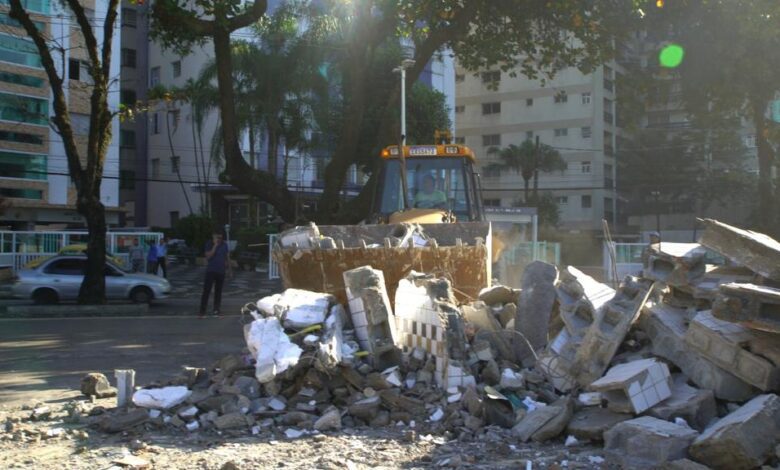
(141, 295)
(45, 297)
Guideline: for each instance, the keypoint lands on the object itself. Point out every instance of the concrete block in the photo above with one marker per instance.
(696, 406)
(480, 315)
(534, 308)
(498, 295)
(125, 383)
(708, 286)
(756, 251)
(372, 315)
(647, 442)
(427, 318)
(666, 328)
(580, 297)
(545, 422)
(635, 386)
(757, 307)
(556, 361)
(674, 264)
(591, 423)
(743, 439)
(726, 344)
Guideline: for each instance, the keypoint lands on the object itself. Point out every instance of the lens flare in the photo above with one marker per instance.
(671, 56)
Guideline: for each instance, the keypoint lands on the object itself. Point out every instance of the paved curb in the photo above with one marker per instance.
(57, 311)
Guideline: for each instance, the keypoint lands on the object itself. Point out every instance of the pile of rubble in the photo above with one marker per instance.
(677, 364)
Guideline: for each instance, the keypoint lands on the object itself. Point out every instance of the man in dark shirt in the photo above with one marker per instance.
(218, 262)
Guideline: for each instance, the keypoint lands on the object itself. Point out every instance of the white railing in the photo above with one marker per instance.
(628, 260)
(273, 268)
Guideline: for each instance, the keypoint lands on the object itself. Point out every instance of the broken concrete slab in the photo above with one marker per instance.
(635, 386)
(117, 422)
(498, 295)
(726, 344)
(756, 251)
(684, 464)
(590, 423)
(232, 421)
(757, 307)
(696, 406)
(534, 308)
(580, 297)
(96, 385)
(674, 264)
(427, 318)
(330, 347)
(743, 439)
(329, 421)
(480, 315)
(544, 422)
(647, 442)
(370, 308)
(708, 286)
(557, 360)
(666, 329)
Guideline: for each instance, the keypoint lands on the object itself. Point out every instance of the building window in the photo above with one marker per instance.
(492, 77)
(22, 193)
(154, 77)
(155, 123)
(491, 108)
(491, 140)
(128, 58)
(586, 132)
(155, 167)
(529, 101)
(460, 109)
(127, 97)
(460, 78)
(175, 164)
(562, 132)
(25, 80)
(127, 138)
(561, 97)
(176, 68)
(24, 109)
(129, 17)
(586, 202)
(529, 135)
(19, 51)
(586, 167)
(74, 69)
(491, 202)
(22, 165)
(174, 216)
(126, 179)
(562, 200)
(460, 140)
(21, 137)
(586, 98)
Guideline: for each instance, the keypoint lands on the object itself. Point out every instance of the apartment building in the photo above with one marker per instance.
(34, 184)
(573, 113)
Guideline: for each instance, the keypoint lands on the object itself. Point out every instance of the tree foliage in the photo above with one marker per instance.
(528, 160)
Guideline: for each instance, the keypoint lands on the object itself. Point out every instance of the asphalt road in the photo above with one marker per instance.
(44, 359)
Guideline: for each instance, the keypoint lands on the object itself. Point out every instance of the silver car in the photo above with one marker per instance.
(59, 278)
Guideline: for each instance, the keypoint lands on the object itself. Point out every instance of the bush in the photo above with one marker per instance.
(196, 230)
(253, 235)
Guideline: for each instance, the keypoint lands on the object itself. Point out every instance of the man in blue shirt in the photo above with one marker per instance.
(218, 262)
(162, 252)
(151, 259)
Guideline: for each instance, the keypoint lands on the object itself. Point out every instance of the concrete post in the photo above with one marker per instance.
(125, 384)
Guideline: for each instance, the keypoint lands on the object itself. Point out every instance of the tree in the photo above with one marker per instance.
(527, 160)
(732, 52)
(528, 37)
(87, 176)
(427, 112)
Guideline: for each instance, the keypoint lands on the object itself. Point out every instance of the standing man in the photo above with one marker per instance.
(162, 251)
(218, 262)
(151, 259)
(136, 254)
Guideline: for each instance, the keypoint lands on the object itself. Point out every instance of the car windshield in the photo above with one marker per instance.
(434, 183)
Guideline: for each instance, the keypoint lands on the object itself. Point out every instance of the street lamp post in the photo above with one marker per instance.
(405, 64)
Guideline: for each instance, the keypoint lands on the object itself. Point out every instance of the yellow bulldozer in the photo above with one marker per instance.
(426, 216)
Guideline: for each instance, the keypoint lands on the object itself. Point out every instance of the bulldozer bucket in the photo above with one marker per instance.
(460, 252)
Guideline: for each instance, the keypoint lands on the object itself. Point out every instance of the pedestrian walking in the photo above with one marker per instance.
(162, 252)
(151, 259)
(136, 254)
(218, 263)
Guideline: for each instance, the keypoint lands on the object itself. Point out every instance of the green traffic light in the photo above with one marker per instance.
(671, 56)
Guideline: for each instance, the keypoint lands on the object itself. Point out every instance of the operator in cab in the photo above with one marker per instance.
(429, 197)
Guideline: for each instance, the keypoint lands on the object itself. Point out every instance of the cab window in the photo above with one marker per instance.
(67, 267)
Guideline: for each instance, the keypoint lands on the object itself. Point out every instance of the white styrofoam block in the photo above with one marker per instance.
(163, 398)
(272, 348)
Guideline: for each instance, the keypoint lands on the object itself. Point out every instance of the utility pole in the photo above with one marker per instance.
(405, 64)
(657, 194)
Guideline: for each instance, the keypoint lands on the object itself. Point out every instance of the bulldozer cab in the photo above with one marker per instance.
(439, 177)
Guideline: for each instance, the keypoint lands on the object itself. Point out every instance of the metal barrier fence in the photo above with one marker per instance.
(273, 268)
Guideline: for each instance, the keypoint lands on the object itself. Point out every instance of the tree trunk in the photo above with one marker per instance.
(766, 191)
(238, 172)
(93, 288)
(201, 193)
(536, 185)
(273, 151)
(526, 183)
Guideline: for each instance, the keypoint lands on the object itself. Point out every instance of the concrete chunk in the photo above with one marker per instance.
(635, 386)
(97, 385)
(498, 295)
(545, 422)
(756, 307)
(480, 315)
(534, 308)
(372, 314)
(707, 287)
(726, 344)
(647, 442)
(666, 328)
(695, 406)
(674, 264)
(743, 439)
(756, 251)
(580, 297)
(591, 423)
